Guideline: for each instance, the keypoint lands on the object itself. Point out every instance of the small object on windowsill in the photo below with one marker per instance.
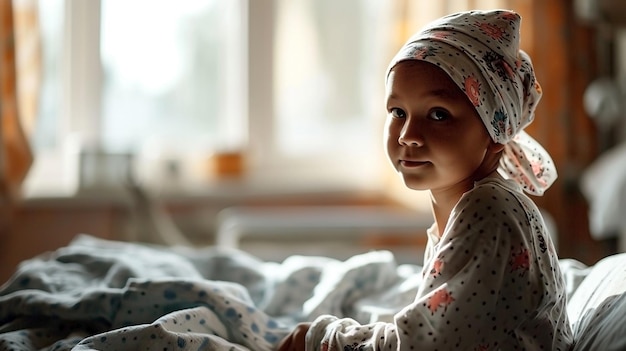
(226, 165)
(102, 171)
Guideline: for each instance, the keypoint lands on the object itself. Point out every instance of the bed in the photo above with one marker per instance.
(97, 294)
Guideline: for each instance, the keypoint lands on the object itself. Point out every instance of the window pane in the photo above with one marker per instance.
(328, 73)
(168, 72)
(47, 123)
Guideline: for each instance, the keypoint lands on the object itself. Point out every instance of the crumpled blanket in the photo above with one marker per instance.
(96, 294)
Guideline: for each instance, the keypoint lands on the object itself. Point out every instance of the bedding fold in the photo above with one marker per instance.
(96, 294)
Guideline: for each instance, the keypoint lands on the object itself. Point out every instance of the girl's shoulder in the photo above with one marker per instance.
(494, 190)
(498, 185)
(506, 189)
(495, 199)
(492, 212)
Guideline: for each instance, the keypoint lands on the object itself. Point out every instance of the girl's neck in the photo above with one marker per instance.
(443, 201)
(442, 205)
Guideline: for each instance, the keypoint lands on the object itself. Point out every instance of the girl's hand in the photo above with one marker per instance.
(295, 341)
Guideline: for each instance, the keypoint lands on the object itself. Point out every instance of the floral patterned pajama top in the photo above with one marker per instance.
(491, 282)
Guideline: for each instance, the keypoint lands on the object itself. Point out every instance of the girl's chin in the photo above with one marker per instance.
(414, 184)
(416, 187)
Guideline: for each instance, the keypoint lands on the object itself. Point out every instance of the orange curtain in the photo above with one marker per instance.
(16, 155)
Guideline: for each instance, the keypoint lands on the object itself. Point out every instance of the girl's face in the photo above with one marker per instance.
(434, 137)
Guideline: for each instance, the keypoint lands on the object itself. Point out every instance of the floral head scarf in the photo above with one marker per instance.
(480, 52)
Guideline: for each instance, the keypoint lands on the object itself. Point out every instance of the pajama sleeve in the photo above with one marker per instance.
(479, 288)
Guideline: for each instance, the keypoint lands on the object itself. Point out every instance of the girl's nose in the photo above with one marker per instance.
(410, 134)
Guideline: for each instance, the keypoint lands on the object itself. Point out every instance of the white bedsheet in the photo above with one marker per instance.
(103, 295)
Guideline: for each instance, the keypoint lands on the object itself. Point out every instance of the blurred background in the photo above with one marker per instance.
(257, 124)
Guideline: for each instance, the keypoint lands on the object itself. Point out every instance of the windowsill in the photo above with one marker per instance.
(55, 176)
(54, 179)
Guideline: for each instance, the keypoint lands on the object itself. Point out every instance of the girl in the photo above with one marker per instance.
(459, 94)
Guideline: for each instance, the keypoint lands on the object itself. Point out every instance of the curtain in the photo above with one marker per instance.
(16, 155)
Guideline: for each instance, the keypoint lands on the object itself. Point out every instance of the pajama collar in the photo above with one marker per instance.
(480, 51)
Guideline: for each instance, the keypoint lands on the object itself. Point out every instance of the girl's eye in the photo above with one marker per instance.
(439, 115)
(398, 113)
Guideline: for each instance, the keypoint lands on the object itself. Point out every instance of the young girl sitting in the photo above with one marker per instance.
(459, 94)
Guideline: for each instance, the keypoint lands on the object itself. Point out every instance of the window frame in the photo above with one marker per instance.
(81, 111)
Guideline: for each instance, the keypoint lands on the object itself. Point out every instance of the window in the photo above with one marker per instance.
(45, 135)
(168, 72)
(296, 85)
(325, 59)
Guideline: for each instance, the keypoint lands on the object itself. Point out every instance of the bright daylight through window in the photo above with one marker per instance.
(295, 90)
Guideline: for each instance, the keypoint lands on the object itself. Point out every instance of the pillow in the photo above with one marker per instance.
(574, 272)
(597, 308)
(603, 328)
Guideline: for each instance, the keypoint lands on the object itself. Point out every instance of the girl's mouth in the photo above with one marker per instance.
(413, 164)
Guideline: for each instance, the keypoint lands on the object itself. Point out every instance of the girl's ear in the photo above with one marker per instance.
(495, 147)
